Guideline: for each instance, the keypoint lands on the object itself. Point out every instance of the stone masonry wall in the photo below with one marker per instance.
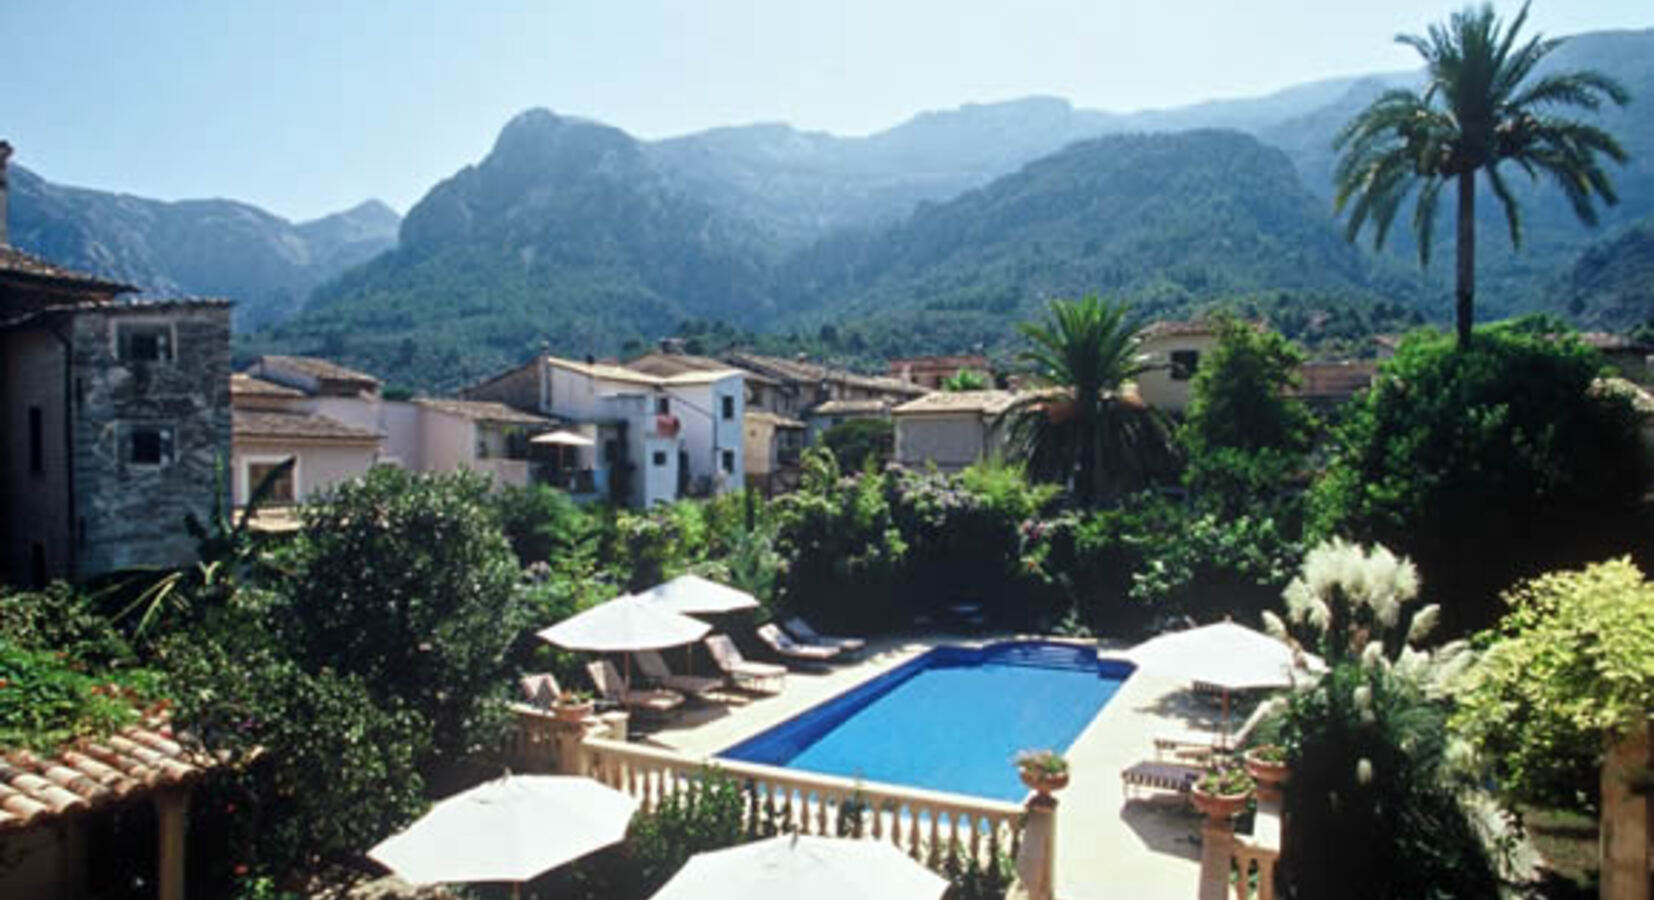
(133, 515)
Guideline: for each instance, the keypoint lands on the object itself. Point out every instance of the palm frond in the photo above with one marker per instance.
(1507, 201)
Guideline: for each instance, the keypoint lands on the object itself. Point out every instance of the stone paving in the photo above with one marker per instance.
(1145, 848)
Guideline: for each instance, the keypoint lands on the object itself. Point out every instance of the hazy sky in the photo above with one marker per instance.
(308, 106)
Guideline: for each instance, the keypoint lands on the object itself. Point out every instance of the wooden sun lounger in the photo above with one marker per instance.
(1160, 776)
(654, 668)
(787, 648)
(1198, 742)
(655, 702)
(753, 676)
(807, 635)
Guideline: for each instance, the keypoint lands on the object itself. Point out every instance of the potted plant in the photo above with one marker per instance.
(1222, 791)
(1043, 770)
(1266, 763)
(573, 706)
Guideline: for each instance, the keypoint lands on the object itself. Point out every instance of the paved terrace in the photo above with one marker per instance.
(1106, 848)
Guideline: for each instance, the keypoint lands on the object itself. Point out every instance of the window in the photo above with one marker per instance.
(149, 445)
(37, 447)
(282, 490)
(663, 405)
(144, 342)
(611, 451)
(659, 458)
(729, 461)
(1184, 364)
(729, 407)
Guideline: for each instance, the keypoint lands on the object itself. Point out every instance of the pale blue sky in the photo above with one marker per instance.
(308, 106)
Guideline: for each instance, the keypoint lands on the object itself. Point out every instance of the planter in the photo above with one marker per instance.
(1266, 773)
(573, 712)
(1044, 782)
(1218, 807)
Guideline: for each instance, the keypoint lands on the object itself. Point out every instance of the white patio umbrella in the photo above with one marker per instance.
(624, 624)
(804, 868)
(510, 829)
(694, 594)
(1225, 655)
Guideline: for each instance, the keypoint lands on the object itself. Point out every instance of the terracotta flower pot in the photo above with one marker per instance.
(1044, 782)
(1265, 772)
(573, 712)
(1218, 807)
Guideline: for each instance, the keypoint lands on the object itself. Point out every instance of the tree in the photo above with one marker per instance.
(855, 441)
(406, 582)
(1479, 109)
(1487, 465)
(1243, 434)
(1080, 427)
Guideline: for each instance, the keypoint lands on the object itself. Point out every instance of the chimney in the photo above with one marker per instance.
(671, 346)
(5, 154)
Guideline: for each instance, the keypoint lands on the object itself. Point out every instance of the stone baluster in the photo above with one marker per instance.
(1037, 857)
(1625, 818)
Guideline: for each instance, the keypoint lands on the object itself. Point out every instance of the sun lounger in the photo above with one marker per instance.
(752, 676)
(787, 648)
(1160, 776)
(1198, 742)
(656, 701)
(540, 690)
(807, 635)
(655, 669)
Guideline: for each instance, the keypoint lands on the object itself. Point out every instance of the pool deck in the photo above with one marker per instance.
(1106, 847)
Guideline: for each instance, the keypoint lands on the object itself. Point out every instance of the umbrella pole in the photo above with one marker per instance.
(1226, 718)
(516, 890)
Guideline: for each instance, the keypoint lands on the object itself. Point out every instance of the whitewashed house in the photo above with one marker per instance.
(654, 438)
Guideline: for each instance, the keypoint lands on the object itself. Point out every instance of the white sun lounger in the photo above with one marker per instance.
(655, 701)
(784, 646)
(754, 676)
(807, 635)
(654, 668)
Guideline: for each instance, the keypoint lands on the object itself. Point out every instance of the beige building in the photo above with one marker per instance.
(773, 445)
(952, 430)
(931, 371)
(1173, 350)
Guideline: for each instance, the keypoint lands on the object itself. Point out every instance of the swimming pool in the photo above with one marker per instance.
(949, 720)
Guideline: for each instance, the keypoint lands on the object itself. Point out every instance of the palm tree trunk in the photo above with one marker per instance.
(1466, 287)
(1085, 474)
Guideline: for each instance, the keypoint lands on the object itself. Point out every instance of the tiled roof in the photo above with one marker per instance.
(804, 371)
(603, 371)
(315, 367)
(773, 419)
(1608, 342)
(93, 773)
(484, 411)
(17, 263)
(243, 385)
(989, 402)
(1641, 400)
(1177, 329)
(1334, 380)
(850, 408)
(253, 423)
(668, 365)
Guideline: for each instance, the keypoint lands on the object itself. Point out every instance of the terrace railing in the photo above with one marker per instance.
(928, 825)
(1242, 866)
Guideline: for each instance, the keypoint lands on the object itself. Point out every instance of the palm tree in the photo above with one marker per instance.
(1479, 109)
(1079, 424)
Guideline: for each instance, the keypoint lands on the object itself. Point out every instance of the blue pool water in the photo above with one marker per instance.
(950, 720)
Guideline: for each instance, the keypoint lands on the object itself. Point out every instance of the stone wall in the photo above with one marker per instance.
(131, 514)
(34, 506)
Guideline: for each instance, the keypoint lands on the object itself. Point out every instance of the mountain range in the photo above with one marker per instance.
(935, 235)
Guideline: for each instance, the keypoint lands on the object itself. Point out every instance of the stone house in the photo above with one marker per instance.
(114, 420)
(931, 371)
(648, 438)
(952, 430)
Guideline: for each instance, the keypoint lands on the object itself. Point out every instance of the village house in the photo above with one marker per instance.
(114, 419)
(823, 396)
(952, 429)
(335, 423)
(931, 371)
(1173, 352)
(653, 438)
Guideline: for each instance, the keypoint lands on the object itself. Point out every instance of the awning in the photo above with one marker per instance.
(563, 438)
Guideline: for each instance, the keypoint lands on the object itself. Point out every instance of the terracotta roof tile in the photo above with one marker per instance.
(850, 408)
(243, 385)
(484, 411)
(804, 371)
(256, 423)
(17, 263)
(990, 402)
(316, 367)
(34, 787)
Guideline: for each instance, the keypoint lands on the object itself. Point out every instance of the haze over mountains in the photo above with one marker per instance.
(933, 235)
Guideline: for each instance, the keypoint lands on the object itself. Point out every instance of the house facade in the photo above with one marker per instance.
(114, 420)
(1173, 351)
(951, 430)
(930, 371)
(654, 438)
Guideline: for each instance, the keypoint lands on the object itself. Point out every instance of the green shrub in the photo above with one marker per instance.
(1486, 465)
(1571, 663)
(855, 442)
